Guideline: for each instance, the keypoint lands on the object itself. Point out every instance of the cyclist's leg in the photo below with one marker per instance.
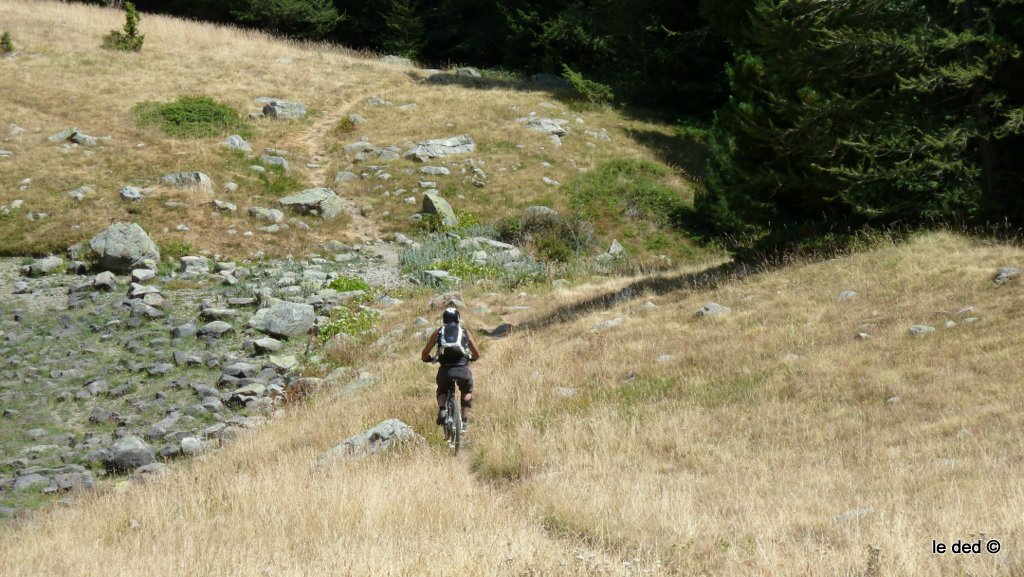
(444, 385)
(466, 392)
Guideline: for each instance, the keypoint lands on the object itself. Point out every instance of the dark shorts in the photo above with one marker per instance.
(447, 376)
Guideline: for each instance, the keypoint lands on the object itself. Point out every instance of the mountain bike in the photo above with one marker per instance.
(452, 426)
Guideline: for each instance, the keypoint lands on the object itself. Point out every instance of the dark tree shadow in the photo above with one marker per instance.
(707, 279)
(686, 154)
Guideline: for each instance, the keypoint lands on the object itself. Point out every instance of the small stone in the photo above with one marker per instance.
(845, 296)
(141, 275)
(191, 446)
(215, 329)
(609, 323)
(80, 193)
(921, 330)
(131, 193)
(712, 310)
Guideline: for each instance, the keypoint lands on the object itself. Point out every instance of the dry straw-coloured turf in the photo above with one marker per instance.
(60, 77)
(738, 455)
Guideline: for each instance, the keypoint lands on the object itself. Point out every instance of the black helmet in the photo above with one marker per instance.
(450, 315)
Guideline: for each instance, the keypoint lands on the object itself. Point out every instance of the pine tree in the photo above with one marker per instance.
(853, 112)
(307, 19)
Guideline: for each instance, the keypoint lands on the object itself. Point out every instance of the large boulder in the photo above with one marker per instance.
(128, 454)
(123, 247)
(284, 110)
(319, 201)
(434, 204)
(545, 125)
(383, 437)
(283, 319)
(440, 148)
(196, 180)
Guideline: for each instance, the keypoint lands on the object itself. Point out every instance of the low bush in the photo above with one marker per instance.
(6, 44)
(191, 117)
(627, 187)
(588, 91)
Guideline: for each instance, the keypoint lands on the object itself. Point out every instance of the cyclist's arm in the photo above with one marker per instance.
(472, 346)
(425, 355)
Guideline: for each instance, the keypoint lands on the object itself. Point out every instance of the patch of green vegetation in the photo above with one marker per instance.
(588, 91)
(467, 269)
(344, 284)
(172, 250)
(343, 127)
(627, 187)
(728, 391)
(353, 322)
(129, 39)
(191, 117)
(693, 130)
(6, 44)
(277, 182)
(498, 146)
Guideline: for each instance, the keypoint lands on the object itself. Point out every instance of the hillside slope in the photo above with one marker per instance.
(614, 431)
(767, 441)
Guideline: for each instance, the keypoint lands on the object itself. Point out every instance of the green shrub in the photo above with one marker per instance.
(191, 117)
(6, 44)
(346, 284)
(129, 39)
(588, 91)
(354, 322)
(627, 187)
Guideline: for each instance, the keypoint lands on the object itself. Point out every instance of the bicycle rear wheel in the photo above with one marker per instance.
(455, 410)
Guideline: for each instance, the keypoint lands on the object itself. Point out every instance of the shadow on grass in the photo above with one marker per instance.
(707, 279)
(686, 154)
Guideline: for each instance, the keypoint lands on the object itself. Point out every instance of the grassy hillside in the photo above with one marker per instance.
(60, 77)
(769, 441)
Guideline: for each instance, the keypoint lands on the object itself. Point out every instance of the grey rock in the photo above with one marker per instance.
(163, 426)
(268, 214)
(318, 201)
(217, 314)
(545, 125)
(921, 330)
(1005, 274)
(73, 134)
(131, 193)
(140, 275)
(152, 470)
(21, 287)
(267, 345)
(140, 290)
(236, 142)
(435, 170)
(359, 384)
(345, 176)
(284, 319)
(105, 281)
(124, 246)
(194, 266)
(846, 295)
(31, 481)
(129, 453)
(383, 437)
(616, 249)
(81, 192)
(43, 266)
(278, 161)
(611, 323)
(191, 446)
(225, 206)
(713, 310)
(284, 110)
(195, 180)
(440, 148)
(241, 370)
(434, 204)
(215, 329)
(468, 72)
(184, 331)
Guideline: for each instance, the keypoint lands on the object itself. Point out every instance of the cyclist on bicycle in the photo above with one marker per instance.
(456, 348)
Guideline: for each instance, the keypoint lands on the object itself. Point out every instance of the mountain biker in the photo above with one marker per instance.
(454, 363)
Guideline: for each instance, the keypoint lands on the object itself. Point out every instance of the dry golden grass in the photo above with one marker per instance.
(730, 458)
(61, 77)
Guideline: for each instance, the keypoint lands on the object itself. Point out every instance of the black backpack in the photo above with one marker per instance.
(451, 342)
